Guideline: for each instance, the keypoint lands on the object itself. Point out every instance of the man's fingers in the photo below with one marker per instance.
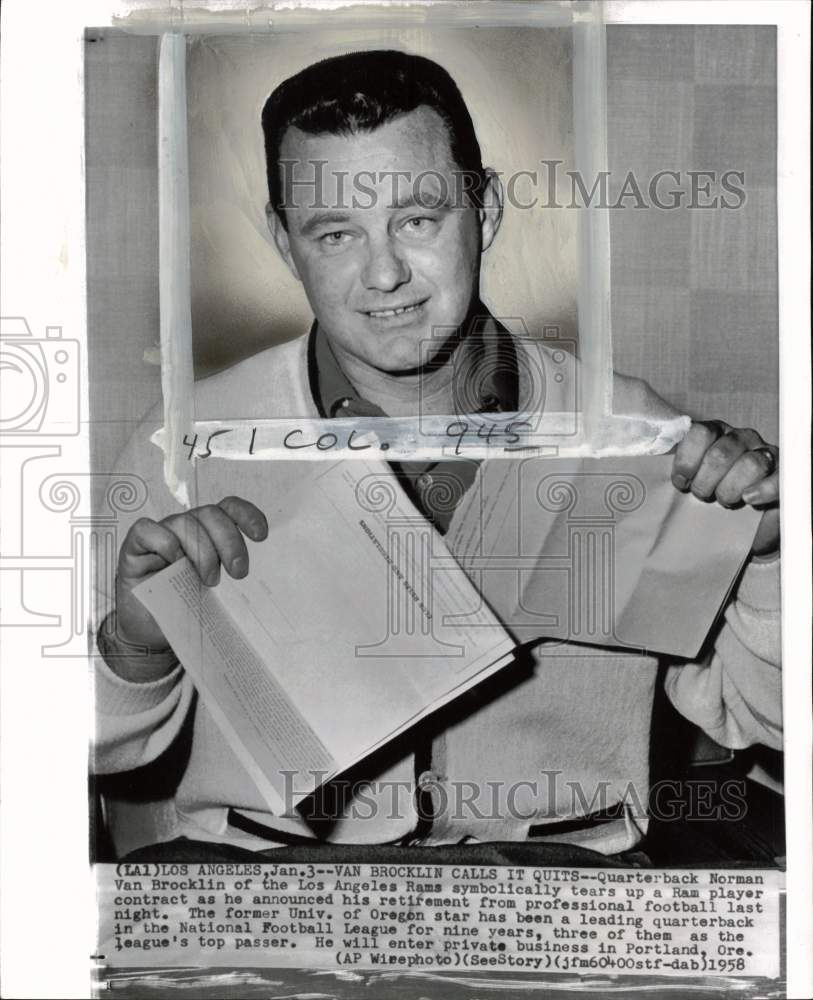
(246, 516)
(753, 439)
(763, 493)
(718, 461)
(197, 545)
(733, 466)
(148, 547)
(226, 538)
(752, 470)
(692, 448)
(208, 536)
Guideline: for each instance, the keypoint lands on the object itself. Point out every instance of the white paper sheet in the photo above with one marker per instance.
(353, 623)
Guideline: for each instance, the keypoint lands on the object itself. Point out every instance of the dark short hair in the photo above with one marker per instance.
(360, 92)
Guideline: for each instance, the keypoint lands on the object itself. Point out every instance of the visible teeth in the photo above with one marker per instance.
(382, 313)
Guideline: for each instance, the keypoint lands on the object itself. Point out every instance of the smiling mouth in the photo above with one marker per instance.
(391, 313)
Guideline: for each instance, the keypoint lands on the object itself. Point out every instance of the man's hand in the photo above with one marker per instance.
(209, 536)
(732, 466)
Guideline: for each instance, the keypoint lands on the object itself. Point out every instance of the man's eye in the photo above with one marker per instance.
(335, 239)
(419, 225)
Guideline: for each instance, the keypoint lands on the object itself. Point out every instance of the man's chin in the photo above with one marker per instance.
(406, 351)
(403, 354)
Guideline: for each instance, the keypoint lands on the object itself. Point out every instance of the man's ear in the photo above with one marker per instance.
(280, 234)
(491, 212)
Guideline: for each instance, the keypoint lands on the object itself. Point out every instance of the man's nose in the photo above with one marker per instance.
(385, 268)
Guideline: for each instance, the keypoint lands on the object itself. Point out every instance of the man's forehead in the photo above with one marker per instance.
(415, 142)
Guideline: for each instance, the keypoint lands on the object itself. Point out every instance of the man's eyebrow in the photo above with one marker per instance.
(323, 219)
(427, 201)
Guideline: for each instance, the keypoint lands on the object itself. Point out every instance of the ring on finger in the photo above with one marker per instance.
(769, 457)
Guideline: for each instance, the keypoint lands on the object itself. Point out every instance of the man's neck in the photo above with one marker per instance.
(401, 394)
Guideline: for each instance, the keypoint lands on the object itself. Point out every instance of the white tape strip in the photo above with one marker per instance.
(177, 368)
(424, 439)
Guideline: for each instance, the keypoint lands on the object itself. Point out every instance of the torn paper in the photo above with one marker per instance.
(605, 552)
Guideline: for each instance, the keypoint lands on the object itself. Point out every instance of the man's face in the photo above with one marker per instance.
(385, 255)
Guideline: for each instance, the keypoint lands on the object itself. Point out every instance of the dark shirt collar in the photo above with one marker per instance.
(485, 379)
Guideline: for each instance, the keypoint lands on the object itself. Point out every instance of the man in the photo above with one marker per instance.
(387, 265)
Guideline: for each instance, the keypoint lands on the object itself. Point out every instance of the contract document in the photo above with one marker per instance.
(353, 623)
(602, 551)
